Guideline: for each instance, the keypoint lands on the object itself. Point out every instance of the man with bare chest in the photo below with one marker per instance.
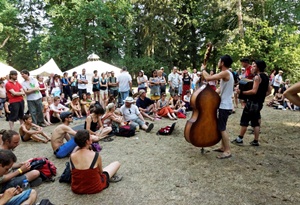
(62, 132)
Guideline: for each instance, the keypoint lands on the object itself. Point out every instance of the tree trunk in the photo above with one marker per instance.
(240, 18)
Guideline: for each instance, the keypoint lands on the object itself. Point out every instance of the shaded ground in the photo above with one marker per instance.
(168, 170)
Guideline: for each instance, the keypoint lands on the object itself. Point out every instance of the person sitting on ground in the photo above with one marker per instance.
(85, 105)
(292, 94)
(26, 131)
(164, 109)
(89, 99)
(278, 99)
(75, 106)
(64, 101)
(113, 118)
(62, 132)
(13, 195)
(94, 125)
(86, 167)
(177, 104)
(187, 100)
(132, 114)
(46, 111)
(6, 109)
(56, 109)
(146, 106)
(21, 171)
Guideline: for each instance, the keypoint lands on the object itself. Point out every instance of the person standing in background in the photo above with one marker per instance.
(2, 98)
(82, 83)
(15, 94)
(125, 85)
(74, 83)
(66, 86)
(34, 98)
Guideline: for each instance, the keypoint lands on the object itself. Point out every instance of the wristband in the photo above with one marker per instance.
(20, 170)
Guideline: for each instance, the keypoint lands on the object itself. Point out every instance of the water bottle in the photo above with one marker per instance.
(25, 184)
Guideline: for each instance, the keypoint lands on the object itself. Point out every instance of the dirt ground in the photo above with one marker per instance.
(169, 170)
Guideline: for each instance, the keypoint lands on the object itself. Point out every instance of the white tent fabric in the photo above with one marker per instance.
(90, 66)
(5, 69)
(49, 67)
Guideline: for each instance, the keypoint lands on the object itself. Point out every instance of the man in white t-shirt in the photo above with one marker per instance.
(82, 83)
(277, 82)
(174, 81)
(34, 98)
(56, 109)
(132, 115)
(125, 84)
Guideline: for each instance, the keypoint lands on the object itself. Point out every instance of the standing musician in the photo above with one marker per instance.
(225, 108)
(254, 103)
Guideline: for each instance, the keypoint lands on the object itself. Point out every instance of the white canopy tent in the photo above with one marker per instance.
(49, 67)
(5, 69)
(90, 66)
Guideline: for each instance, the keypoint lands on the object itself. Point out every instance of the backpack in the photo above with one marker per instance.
(46, 167)
(45, 202)
(66, 176)
(166, 130)
(126, 131)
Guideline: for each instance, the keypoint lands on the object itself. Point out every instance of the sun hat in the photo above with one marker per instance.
(280, 71)
(129, 100)
(141, 91)
(74, 96)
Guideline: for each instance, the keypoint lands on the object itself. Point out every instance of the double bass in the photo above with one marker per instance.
(201, 130)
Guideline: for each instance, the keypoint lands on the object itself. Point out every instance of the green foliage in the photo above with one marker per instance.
(148, 34)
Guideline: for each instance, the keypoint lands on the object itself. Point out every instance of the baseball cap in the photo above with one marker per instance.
(64, 115)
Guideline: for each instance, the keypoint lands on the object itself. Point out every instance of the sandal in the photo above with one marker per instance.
(224, 156)
(115, 179)
(107, 139)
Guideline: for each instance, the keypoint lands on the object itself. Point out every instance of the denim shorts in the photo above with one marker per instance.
(20, 198)
(65, 149)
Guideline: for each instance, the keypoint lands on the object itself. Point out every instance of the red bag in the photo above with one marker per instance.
(181, 115)
(166, 130)
(45, 166)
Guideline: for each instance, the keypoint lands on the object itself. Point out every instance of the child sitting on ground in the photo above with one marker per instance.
(187, 99)
(75, 106)
(26, 133)
(46, 110)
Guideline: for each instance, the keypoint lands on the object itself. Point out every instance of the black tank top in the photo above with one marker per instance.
(93, 126)
(262, 89)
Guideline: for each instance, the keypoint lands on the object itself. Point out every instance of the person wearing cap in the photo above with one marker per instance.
(245, 62)
(125, 84)
(15, 92)
(163, 72)
(132, 114)
(146, 105)
(75, 106)
(61, 132)
(277, 82)
(254, 103)
(34, 98)
(174, 81)
(56, 108)
(142, 81)
(243, 73)
(64, 131)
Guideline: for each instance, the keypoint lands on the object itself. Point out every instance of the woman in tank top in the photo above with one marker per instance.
(85, 162)
(96, 86)
(103, 89)
(94, 125)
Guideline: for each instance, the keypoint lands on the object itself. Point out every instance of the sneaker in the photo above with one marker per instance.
(115, 179)
(254, 143)
(37, 182)
(237, 142)
(150, 127)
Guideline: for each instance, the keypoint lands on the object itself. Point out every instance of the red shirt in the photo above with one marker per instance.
(16, 86)
(248, 73)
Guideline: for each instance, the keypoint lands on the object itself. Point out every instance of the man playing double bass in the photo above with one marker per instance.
(225, 108)
(254, 103)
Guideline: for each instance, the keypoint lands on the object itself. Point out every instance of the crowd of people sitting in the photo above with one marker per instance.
(112, 106)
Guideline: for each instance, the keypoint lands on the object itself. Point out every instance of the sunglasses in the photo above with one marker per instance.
(70, 116)
(129, 111)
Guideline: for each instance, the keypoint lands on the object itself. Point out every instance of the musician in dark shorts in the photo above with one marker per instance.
(225, 108)
(254, 103)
